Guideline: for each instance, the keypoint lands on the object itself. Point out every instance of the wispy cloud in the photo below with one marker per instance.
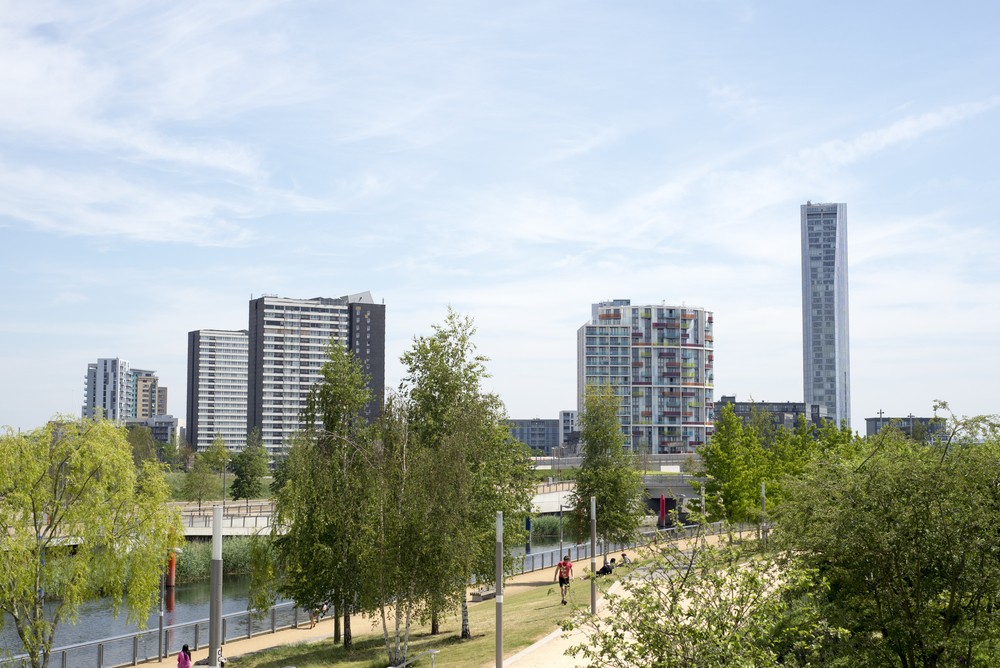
(839, 152)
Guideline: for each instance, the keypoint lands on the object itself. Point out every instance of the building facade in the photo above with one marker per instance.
(783, 413)
(143, 386)
(538, 434)
(567, 425)
(163, 427)
(826, 355)
(106, 393)
(923, 427)
(161, 400)
(216, 388)
(660, 361)
(287, 348)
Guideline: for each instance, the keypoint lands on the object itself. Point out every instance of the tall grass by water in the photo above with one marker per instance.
(196, 561)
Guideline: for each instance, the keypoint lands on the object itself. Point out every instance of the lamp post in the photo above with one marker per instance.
(225, 465)
(560, 532)
(159, 651)
(593, 555)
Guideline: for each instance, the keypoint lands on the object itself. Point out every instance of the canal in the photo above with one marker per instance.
(184, 603)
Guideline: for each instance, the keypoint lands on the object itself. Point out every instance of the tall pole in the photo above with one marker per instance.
(593, 555)
(560, 532)
(763, 512)
(499, 587)
(215, 591)
(159, 642)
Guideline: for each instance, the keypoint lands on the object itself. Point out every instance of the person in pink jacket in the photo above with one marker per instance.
(184, 658)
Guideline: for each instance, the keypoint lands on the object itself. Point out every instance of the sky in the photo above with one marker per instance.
(163, 162)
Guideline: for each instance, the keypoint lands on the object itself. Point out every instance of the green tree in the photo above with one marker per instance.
(143, 444)
(218, 458)
(172, 452)
(741, 456)
(249, 466)
(200, 482)
(905, 535)
(280, 474)
(319, 503)
(698, 605)
(464, 431)
(78, 520)
(607, 471)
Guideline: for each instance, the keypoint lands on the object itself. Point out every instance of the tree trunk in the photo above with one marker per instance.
(348, 638)
(466, 633)
(336, 624)
(435, 624)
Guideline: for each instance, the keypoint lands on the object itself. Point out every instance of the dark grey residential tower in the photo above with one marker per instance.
(287, 349)
(826, 354)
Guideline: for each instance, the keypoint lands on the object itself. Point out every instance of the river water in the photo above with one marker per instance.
(185, 603)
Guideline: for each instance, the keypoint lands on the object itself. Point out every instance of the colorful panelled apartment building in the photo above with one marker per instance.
(659, 359)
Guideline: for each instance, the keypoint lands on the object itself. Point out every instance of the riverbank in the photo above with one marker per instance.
(195, 563)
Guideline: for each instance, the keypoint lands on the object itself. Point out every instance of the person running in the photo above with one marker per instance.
(564, 571)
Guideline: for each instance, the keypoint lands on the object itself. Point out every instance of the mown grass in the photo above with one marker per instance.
(528, 617)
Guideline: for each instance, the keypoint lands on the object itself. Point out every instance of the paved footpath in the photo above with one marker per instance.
(548, 652)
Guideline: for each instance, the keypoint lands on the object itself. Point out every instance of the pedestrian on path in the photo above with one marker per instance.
(564, 571)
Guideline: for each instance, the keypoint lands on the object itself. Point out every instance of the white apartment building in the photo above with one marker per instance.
(217, 388)
(826, 345)
(107, 389)
(659, 359)
(287, 349)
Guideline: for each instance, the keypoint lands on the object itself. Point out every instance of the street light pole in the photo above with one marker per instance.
(593, 555)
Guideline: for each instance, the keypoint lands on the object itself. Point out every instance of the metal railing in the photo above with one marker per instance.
(133, 648)
(432, 652)
(537, 561)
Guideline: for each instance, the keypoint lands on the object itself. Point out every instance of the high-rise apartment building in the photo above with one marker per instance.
(161, 400)
(217, 388)
(826, 355)
(567, 425)
(142, 389)
(287, 349)
(107, 389)
(659, 359)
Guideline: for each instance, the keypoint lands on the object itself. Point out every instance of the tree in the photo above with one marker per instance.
(78, 520)
(200, 482)
(217, 458)
(741, 456)
(314, 540)
(172, 452)
(905, 535)
(249, 466)
(142, 442)
(699, 605)
(464, 430)
(607, 471)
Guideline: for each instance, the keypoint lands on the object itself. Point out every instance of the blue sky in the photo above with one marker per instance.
(161, 162)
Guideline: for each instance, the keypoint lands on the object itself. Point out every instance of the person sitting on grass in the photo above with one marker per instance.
(564, 571)
(625, 559)
(606, 568)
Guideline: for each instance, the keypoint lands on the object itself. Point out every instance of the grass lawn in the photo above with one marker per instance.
(528, 616)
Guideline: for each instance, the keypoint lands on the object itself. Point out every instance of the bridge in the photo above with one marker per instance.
(242, 519)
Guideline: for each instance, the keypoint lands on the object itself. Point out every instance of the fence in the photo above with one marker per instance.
(134, 648)
(549, 558)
